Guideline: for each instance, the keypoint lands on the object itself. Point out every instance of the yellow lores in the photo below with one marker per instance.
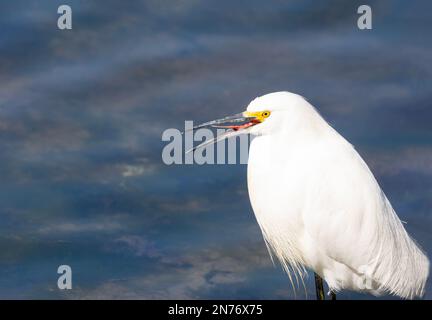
(259, 115)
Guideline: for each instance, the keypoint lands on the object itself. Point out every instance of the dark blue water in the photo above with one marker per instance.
(82, 113)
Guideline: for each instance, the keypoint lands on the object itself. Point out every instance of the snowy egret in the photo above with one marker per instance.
(319, 206)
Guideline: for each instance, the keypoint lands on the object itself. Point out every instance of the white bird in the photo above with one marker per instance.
(319, 206)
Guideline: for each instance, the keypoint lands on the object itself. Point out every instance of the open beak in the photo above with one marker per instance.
(235, 124)
(242, 121)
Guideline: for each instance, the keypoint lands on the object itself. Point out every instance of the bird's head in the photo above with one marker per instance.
(264, 115)
(274, 111)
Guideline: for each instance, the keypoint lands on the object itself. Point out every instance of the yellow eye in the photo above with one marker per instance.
(265, 114)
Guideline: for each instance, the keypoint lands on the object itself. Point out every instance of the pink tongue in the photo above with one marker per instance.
(243, 126)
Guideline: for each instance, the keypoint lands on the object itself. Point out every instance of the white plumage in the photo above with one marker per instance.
(319, 206)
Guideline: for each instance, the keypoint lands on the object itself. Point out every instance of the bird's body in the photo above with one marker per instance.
(320, 207)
